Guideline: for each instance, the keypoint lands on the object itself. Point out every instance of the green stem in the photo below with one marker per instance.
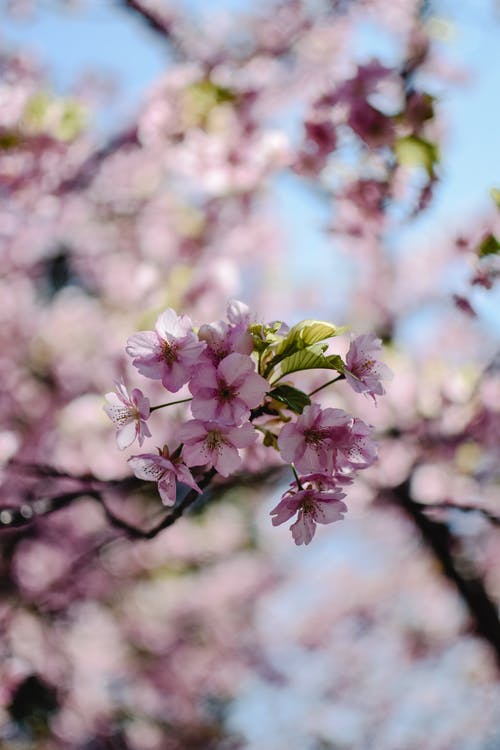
(171, 403)
(299, 483)
(334, 380)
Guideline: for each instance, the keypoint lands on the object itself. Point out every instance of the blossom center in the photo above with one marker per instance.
(226, 392)
(213, 439)
(316, 435)
(169, 352)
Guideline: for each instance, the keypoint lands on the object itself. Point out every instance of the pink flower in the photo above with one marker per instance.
(319, 501)
(224, 338)
(238, 313)
(167, 472)
(308, 441)
(227, 393)
(129, 414)
(353, 448)
(213, 444)
(169, 353)
(364, 371)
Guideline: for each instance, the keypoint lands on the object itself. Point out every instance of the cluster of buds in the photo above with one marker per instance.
(234, 370)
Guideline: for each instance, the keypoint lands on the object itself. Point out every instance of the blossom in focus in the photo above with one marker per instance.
(169, 353)
(224, 338)
(318, 501)
(308, 441)
(161, 468)
(213, 444)
(129, 414)
(226, 394)
(364, 371)
(353, 448)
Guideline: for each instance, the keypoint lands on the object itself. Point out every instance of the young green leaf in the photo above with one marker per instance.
(312, 358)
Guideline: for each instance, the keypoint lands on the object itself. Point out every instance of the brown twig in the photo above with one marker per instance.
(483, 611)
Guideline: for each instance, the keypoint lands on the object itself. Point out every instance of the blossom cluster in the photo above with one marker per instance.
(234, 371)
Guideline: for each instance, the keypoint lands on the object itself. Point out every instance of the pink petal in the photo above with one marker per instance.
(192, 431)
(126, 435)
(197, 454)
(141, 402)
(169, 324)
(283, 511)
(253, 390)
(303, 529)
(328, 512)
(142, 344)
(185, 476)
(204, 377)
(143, 432)
(242, 436)
(226, 460)
(235, 367)
(167, 488)
(146, 468)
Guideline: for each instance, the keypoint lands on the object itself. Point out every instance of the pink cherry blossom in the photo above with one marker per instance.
(238, 313)
(129, 414)
(169, 353)
(308, 441)
(224, 338)
(166, 471)
(226, 394)
(353, 448)
(213, 444)
(364, 371)
(318, 501)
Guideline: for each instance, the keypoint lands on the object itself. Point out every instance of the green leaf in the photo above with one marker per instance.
(312, 358)
(264, 335)
(489, 246)
(495, 194)
(304, 334)
(295, 400)
(413, 151)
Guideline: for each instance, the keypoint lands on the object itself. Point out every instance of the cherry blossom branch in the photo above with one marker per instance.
(153, 19)
(85, 171)
(171, 403)
(483, 611)
(12, 517)
(330, 382)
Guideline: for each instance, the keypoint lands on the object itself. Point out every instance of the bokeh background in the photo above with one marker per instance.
(332, 159)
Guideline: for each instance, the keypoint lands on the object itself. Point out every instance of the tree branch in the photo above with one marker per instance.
(437, 536)
(153, 19)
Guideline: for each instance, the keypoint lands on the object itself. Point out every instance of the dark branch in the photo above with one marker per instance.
(437, 536)
(154, 20)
